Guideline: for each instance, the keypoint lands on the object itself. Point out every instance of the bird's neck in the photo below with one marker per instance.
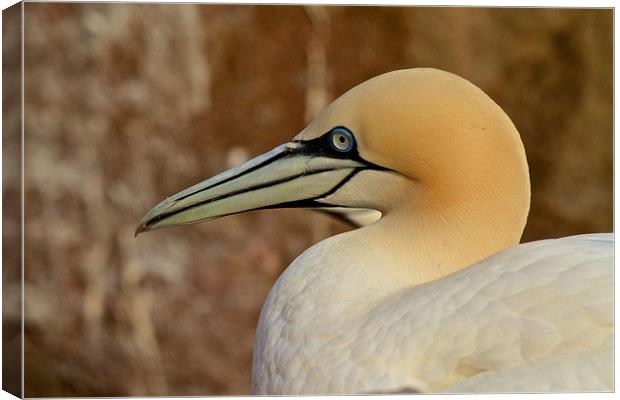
(426, 246)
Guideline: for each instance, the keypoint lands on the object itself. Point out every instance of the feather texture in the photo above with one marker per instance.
(536, 317)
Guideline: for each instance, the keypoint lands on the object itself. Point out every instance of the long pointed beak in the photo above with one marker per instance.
(285, 177)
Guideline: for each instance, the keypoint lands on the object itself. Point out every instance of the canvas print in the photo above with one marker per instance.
(306, 199)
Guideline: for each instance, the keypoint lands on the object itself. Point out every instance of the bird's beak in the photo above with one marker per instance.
(288, 176)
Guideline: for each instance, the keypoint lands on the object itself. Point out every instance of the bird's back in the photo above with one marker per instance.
(536, 317)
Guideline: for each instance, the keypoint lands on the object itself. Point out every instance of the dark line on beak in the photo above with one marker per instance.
(341, 183)
(247, 171)
(234, 193)
(312, 201)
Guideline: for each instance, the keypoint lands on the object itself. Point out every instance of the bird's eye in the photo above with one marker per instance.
(341, 139)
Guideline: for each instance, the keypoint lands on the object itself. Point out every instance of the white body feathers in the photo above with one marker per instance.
(534, 318)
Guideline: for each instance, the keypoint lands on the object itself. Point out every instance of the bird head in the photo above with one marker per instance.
(418, 138)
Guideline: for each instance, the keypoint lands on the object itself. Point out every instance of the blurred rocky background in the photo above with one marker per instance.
(127, 104)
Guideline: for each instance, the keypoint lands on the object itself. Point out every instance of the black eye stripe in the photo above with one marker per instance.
(323, 147)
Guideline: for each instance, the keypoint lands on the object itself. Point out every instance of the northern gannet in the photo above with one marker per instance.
(436, 295)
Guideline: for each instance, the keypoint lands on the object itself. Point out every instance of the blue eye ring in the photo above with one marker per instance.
(341, 140)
